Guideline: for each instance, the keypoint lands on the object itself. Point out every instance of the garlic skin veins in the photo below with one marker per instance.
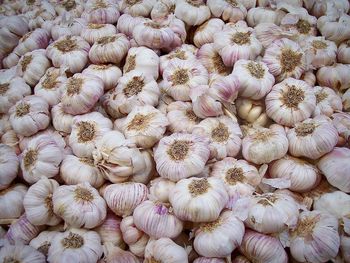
(11, 201)
(21, 253)
(188, 195)
(9, 164)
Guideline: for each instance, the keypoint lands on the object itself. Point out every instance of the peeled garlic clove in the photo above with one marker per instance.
(205, 32)
(61, 120)
(109, 74)
(192, 12)
(343, 54)
(312, 138)
(11, 201)
(101, 11)
(181, 117)
(42, 242)
(227, 229)
(252, 111)
(335, 76)
(9, 164)
(21, 253)
(327, 101)
(160, 188)
(231, 11)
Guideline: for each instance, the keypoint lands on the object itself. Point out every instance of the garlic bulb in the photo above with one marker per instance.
(341, 122)
(335, 167)
(50, 86)
(303, 176)
(126, 23)
(10, 43)
(80, 93)
(192, 12)
(157, 220)
(32, 66)
(92, 32)
(346, 100)
(11, 92)
(290, 101)
(75, 245)
(188, 195)
(79, 205)
(316, 237)
(334, 28)
(181, 155)
(136, 239)
(101, 11)
(210, 260)
(113, 254)
(29, 115)
(255, 80)
(4, 124)
(205, 32)
(61, 120)
(237, 42)
(312, 138)
(160, 189)
(259, 15)
(343, 55)
(10, 138)
(11, 201)
(68, 27)
(136, 8)
(265, 145)
(258, 247)
(144, 125)
(42, 157)
(109, 74)
(86, 129)
(43, 241)
(231, 11)
(224, 136)
(252, 111)
(335, 76)
(70, 52)
(181, 117)
(123, 198)
(135, 88)
(165, 250)
(327, 101)
(163, 8)
(8, 166)
(75, 170)
(285, 58)
(320, 8)
(227, 229)
(21, 253)
(38, 203)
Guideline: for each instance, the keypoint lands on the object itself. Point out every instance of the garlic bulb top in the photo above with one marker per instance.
(231, 11)
(101, 11)
(181, 155)
(43, 241)
(11, 201)
(109, 74)
(192, 12)
(92, 32)
(8, 166)
(189, 194)
(137, 8)
(205, 32)
(21, 253)
(327, 101)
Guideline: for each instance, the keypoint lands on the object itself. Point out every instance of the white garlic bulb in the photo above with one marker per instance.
(252, 111)
(341, 122)
(163, 8)
(335, 76)
(343, 54)
(101, 11)
(38, 204)
(11, 201)
(227, 229)
(231, 11)
(211, 260)
(69, 27)
(290, 101)
(157, 220)
(265, 145)
(205, 32)
(61, 120)
(80, 93)
(75, 245)
(192, 12)
(114, 254)
(79, 205)
(312, 138)
(165, 250)
(92, 32)
(136, 8)
(181, 155)
(189, 194)
(10, 138)
(9, 164)
(346, 100)
(260, 14)
(42, 157)
(159, 189)
(21, 253)
(43, 241)
(181, 117)
(334, 28)
(109, 74)
(327, 101)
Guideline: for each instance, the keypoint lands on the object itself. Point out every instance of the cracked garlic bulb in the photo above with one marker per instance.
(252, 111)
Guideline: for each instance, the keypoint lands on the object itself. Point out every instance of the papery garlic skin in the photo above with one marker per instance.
(42, 242)
(188, 195)
(92, 32)
(252, 111)
(335, 76)
(205, 32)
(285, 58)
(181, 155)
(303, 176)
(163, 8)
(11, 92)
(61, 120)
(21, 253)
(38, 204)
(334, 28)
(109, 74)
(231, 11)
(343, 54)
(157, 220)
(227, 229)
(70, 27)
(123, 198)
(181, 117)
(165, 250)
(101, 11)
(312, 138)
(42, 157)
(316, 237)
(85, 130)
(262, 248)
(9, 164)
(265, 145)
(192, 12)
(70, 52)
(80, 93)
(290, 101)
(260, 15)
(79, 205)
(11, 201)
(75, 170)
(76, 245)
(136, 8)
(29, 115)
(327, 101)
(160, 189)
(335, 167)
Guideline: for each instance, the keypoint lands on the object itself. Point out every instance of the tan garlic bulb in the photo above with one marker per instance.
(61, 120)
(38, 204)
(181, 117)
(231, 11)
(9, 164)
(136, 8)
(43, 241)
(21, 253)
(204, 34)
(160, 189)
(343, 54)
(260, 14)
(335, 76)
(79, 205)
(285, 58)
(11, 201)
(252, 111)
(290, 101)
(75, 170)
(80, 93)
(327, 101)
(70, 52)
(192, 12)
(157, 220)
(108, 73)
(264, 145)
(165, 250)
(101, 11)
(188, 195)
(86, 129)
(312, 138)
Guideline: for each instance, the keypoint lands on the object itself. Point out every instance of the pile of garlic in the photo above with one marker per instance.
(174, 131)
